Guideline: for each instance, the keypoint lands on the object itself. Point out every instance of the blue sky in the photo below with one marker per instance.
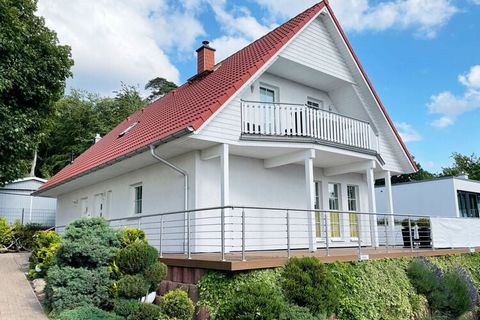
(421, 55)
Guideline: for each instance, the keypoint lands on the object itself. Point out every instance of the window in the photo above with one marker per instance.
(84, 207)
(267, 95)
(334, 204)
(352, 198)
(468, 204)
(130, 127)
(318, 215)
(138, 198)
(314, 103)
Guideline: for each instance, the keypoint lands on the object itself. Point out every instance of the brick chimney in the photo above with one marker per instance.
(205, 57)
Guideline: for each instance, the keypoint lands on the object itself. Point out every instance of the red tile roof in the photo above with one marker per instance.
(189, 106)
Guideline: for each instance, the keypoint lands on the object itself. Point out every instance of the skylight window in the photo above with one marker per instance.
(130, 127)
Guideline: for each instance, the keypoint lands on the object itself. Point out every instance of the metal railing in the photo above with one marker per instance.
(300, 120)
(44, 217)
(237, 231)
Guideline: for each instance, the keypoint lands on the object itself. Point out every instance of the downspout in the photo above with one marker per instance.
(185, 184)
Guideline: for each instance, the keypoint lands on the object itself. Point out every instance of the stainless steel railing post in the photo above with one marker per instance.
(410, 233)
(358, 236)
(243, 234)
(288, 233)
(327, 245)
(222, 233)
(189, 252)
(385, 224)
(161, 236)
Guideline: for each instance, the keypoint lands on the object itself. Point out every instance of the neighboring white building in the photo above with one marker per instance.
(450, 197)
(17, 203)
(290, 121)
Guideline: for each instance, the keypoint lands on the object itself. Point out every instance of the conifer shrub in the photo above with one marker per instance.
(87, 243)
(132, 287)
(136, 257)
(294, 312)
(125, 307)
(87, 312)
(154, 274)
(147, 311)
(177, 305)
(308, 283)
(127, 236)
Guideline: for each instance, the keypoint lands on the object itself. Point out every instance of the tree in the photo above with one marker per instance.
(33, 71)
(463, 164)
(78, 117)
(421, 174)
(159, 87)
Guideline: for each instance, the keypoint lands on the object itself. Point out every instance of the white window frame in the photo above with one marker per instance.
(134, 188)
(336, 212)
(357, 209)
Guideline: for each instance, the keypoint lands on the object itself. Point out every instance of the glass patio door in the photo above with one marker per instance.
(334, 204)
(352, 197)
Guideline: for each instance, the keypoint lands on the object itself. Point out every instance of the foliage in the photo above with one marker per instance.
(177, 305)
(376, 289)
(69, 287)
(45, 245)
(132, 287)
(136, 257)
(217, 288)
(159, 87)
(146, 311)
(423, 276)
(87, 312)
(77, 118)
(23, 234)
(308, 283)
(33, 70)
(125, 307)
(420, 174)
(6, 232)
(88, 243)
(463, 164)
(127, 236)
(252, 300)
(294, 312)
(154, 274)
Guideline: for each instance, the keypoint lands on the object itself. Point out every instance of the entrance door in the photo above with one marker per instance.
(99, 204)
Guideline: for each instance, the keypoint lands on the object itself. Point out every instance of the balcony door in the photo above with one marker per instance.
(352, 198)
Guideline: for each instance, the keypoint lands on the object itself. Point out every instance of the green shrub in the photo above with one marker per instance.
(69, 287)
(23, 234)
(176, 304)
(135, 258)
(452, 297)
(147, 311)
(154, 274)
(45, 245)
(422, 276)
(132, 287)
(257, 301)
(87, 312)
(294, 312)
(127, 236)
(308, 283)
(6, 233)
(125, 307)
(88, 243)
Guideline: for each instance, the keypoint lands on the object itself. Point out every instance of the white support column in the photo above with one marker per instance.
(372, 205)
(388, 194)
(310, 189)
(224, 194)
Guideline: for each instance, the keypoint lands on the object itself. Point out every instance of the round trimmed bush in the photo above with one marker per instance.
(176, 304)
(87, 312)
(308, 283)
(154, 274)
(127, 236)
(136, 257)
(125, 307)
(69, 287)
(88, 243)
(252, 300)
(147, 311)
(132, 287)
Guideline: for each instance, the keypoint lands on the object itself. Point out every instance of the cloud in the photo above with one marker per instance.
(425, 17)
(407, 133)
(451, 106)
(114, 41)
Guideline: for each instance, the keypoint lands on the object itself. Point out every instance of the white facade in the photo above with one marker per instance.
(275, 168)
(436, 198)
(16, 202)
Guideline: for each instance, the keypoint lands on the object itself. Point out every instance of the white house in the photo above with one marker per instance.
(17, 202)
(290, 121)
(449, 197)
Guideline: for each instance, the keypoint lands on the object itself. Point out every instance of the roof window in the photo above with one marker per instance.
(130, 127)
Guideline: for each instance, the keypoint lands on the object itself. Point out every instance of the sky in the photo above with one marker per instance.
(423, 56)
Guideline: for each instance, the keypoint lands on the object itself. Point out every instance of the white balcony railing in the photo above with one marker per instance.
(298, 120)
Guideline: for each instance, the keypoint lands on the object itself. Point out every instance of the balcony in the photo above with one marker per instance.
(286, 120)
